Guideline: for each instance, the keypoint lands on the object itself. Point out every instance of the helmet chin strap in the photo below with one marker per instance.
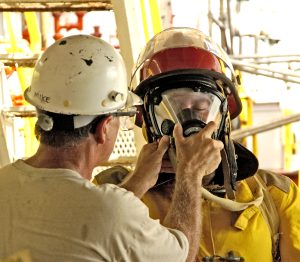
(229, 164)
(227, 176)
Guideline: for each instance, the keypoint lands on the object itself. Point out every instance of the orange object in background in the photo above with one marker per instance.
(67, 26)
(97, 32)
(9, 71)
(17, 100)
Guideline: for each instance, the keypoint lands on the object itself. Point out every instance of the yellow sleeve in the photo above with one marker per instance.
(288, 205)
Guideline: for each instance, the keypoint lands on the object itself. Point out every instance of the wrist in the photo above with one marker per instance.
(188, 171)
(136, 185)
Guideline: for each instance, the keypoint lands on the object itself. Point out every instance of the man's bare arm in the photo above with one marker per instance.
(147, 168)
(197, 156)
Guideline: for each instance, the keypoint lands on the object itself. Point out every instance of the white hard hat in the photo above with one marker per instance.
(80, 75)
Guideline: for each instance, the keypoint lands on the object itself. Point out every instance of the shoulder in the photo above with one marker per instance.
(8, 173)
(6, 168)
(113, 193)
(117, 201)
(113, 175)
(283, 190)
(273, 179)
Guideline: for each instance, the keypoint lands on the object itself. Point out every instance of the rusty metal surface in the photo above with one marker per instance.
(54, 5)
(20, 60)
(19, 111)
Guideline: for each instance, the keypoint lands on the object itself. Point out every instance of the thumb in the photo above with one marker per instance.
(178, 133)
(163, 145)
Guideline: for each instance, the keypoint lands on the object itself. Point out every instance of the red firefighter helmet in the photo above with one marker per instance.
(186, 53)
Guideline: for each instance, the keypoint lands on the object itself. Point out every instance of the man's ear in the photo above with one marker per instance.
(102, 129)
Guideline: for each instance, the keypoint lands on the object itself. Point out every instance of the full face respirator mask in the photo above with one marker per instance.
(193, 105)
(192, 108)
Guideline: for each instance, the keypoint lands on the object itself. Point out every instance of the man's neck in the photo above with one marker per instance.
(75, 158)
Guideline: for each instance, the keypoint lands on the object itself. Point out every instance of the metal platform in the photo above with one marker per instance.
(54, 5)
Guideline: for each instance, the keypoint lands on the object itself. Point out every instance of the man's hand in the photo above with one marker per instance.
(150, 160)
(147, 167)
(198, 153)
(197, 156)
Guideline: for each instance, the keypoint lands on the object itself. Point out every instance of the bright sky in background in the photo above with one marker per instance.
(276, 18)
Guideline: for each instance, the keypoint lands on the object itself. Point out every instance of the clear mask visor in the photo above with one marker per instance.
(193, 110)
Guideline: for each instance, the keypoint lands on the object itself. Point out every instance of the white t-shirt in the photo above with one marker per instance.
(57, 215)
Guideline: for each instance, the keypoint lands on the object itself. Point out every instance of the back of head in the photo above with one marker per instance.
(75, 80)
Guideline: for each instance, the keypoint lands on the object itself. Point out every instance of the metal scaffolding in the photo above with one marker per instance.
(263, 127)
(54, 5)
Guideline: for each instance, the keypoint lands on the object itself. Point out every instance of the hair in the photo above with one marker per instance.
(66, 137)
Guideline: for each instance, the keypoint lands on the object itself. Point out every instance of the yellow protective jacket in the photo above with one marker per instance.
(246, 232)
